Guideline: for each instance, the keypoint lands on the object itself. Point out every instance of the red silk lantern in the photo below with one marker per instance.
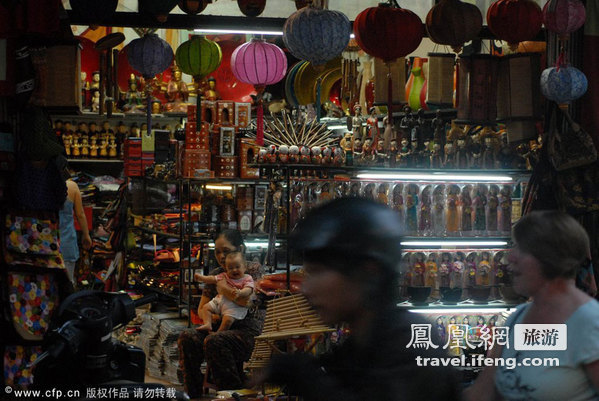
(564, 16)
(388, 32)
(453, 22)
(259, 63)
(193, 7)
(514, 20)
(251, 8)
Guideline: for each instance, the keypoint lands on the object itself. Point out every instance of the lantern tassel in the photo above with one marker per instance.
(149, 108)
(389, 94)
(318, 86)
(260, 117)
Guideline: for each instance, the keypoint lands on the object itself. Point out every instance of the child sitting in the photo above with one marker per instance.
(228, 310)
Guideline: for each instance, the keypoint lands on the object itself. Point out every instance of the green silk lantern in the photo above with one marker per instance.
(198, 57)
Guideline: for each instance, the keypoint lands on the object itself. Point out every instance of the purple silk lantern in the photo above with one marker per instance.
(259, 63)
(564, 16)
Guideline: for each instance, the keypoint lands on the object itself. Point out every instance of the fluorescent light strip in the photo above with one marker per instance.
(454, 243)
(256, 244)
(238, 31)
(337, 127)
(463, 311)
(220, 187)
(436, 177)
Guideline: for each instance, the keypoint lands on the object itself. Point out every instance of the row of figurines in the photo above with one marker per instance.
(455, 269)
(430, 155)
(426, 209)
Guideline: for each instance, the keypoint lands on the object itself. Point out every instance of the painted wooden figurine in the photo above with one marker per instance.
(466, 203)
(431, 271)
(445, 267)
(425, 225)
(112, 148)
(438, 210)
(412, 208)
(451, 212)
(492, 204)
(418, 270)
(505, 206)
(93, 148)
(484, 268)
(479, 203)
(398, 201)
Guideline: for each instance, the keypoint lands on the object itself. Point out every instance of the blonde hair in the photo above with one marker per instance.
(556, 240)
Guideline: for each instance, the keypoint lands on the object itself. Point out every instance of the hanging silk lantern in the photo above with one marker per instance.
(198, 57)
(441, 67)
(93, 10)
(388, 32)
(563, 83)
(518, 94)
(477, 89)
(149, 55)
(316, 35)
(514, 20)
(453, 23)
(251, 8)
(259, 63)
(158, 8)
(564, 16)
(193, 7)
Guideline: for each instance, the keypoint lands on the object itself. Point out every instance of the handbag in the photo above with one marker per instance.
(571, 148)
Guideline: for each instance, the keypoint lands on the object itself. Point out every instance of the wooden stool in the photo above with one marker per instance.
(207, 385)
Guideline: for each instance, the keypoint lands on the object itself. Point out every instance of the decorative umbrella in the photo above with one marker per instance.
(259, 63)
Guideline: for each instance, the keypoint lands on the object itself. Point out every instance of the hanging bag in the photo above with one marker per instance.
(570, 147)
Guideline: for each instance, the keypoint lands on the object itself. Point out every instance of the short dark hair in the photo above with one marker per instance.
(234, 237)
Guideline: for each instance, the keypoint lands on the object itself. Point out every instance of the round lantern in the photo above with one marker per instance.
(453, 22)
(514, 20)
(93, 10)
(198, 56)
(150, 55)
(564, 16)
(259, 63)
(316, 35)
(388, 32)
(157, 8)
(193, 7)
(251, 8)
(563, 84)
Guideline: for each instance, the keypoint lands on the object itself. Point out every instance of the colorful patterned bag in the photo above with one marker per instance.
(17, 360)
(32, 235)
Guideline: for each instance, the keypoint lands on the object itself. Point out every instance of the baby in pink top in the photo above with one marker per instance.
(229, 311)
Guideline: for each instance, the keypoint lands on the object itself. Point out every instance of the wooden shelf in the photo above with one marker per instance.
(115, 161)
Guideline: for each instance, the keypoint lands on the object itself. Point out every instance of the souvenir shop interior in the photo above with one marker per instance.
(180, 119)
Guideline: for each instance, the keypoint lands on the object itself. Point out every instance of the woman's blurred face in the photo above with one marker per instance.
(222, 247)
(527, 271)
(335, 296)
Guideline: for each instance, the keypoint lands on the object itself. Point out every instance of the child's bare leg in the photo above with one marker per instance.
(226, 323)
(206, 315)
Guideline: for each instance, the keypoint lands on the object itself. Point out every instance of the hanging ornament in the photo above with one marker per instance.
(259, 63)
(453, 22)
(514, 20)
(563, 84)
(158, 8)
(388, 32)
(316, 35)
(198, 57)
(193, 7)
(149, 55)
(564, 16)
(93, 10)
(251, 8)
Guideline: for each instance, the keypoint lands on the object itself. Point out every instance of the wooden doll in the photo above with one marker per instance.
(380, 154)
(466, 203)
(297, 203)
(103, 147)
(471, 269)
(476, 152)
(404, 153)
(75, 149)
(293, 154)
(445, 267)
(449, 159)
(84, 149)
(397, 202)
(418, 270)
(325, 193)
(316, 155)
(112, 148)
(451, 212)
(393, 153)
(327, 156)
(492, 204)
(457, 271)
(505, 206)
(479, 203)
(436, 158)
(438, 209)
(339, 157)
(93, 148)
(388, 133)
(67, 145)
(382, 191)
(369, 191)
(283, 154)
(412, 209)
(431, 271)
(305, 155)
(426, 221)
(462, 156)
(372, 125)
(367, 157)
(488, 158)
(484, 268)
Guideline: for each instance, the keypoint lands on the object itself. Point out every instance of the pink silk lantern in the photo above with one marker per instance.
(564, 16)
(259, 63)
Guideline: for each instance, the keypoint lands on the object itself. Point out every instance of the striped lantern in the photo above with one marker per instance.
(316, 35)
(514, 20)
(563, 84)
(198, 56)
(259, 63)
